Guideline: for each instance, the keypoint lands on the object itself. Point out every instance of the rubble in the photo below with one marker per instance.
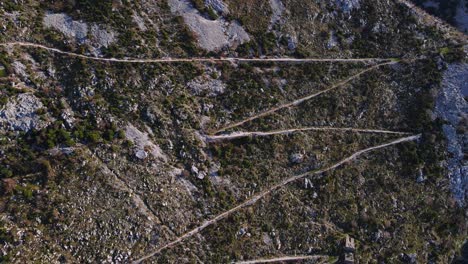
(206, 86)
(218, 5)
(296, 158)
(143, 144)
(348, 5)
(199, 174)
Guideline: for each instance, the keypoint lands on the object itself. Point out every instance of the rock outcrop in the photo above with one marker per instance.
(80, 31)
(212, 35)
(451, 107)
(143, 146)
(20, 114)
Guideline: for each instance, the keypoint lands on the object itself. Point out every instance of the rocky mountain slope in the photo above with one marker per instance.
(220, 131)
(453, 11)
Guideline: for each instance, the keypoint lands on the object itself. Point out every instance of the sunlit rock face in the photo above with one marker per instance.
(20, 114)
(451, 107)
(211, 35)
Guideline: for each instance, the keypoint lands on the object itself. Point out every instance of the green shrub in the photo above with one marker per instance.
(5, 172)
(452, 54)
(212, 14)
(3, 72)
(5, 237)
(25, 191)
(93, 136)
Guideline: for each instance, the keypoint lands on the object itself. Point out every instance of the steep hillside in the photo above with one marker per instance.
(225, 131)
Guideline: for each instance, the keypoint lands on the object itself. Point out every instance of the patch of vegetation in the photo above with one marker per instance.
(453, 53)
(6, 92)
(247, 13)
(203, 9)
(3, 72)
(89, 10)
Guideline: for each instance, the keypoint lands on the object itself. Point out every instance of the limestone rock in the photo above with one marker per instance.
(20, 113)
(296, 158)
(143, 144)
(348, 5)
(451, 107)
(212, 35)
(217, 5)
(80, 31)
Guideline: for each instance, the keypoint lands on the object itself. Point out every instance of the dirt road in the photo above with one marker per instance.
(175, 60)
(241, 134)
(262, 194)
(301, 100)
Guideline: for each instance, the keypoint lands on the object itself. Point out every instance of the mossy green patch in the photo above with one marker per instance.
(3, 72)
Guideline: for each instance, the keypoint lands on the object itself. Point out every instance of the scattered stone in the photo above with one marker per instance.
(292, 42)
(378, 235)
(141, 154)
(20, 69)
(409, 258)
(67, 115)
(421, 177)
(58, 151)
(308, 183)
(361, 180)
(218, 6)
(241, 232)
(296, 158)
(348, 5)
(199, 174)
(143, 144)
(267, 239)
(332, 40)
(206, 86)
(194, 170)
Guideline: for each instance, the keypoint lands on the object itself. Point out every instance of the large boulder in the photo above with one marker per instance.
(20, 114)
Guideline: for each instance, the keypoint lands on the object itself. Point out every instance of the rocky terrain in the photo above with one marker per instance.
(221, 131)
(451, 106)
(454, 11)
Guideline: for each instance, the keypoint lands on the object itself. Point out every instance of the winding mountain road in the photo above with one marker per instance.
(382, 62)
(170, 60)
(301, 100)
(241, 134)
(262, 194)
(283, 259)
